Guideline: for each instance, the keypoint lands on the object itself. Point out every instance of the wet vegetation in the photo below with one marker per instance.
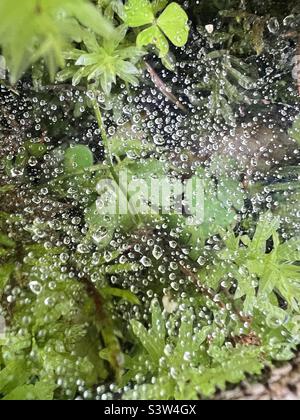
(147, 305)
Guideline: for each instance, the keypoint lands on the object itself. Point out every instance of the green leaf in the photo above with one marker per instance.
(5, 272)
(78, 158)
(138, 13)
(243, 80)
(37, 150)
(183, 365)
(120, 293)
(146, 340)
(154, 36)
(158, 5)
(266, 228)
(153, 340)
(104, 61)
(101, 226)
(122, 147)
(35, 29)
(158, 325)
(41, 391)
(174, 22)
(16, 373)
(232, 367)
(6, 241)
(90, 16)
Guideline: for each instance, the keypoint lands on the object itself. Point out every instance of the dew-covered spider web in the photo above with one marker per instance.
(149, 228)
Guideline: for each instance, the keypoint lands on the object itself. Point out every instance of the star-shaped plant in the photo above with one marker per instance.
(172, 23)
(104, 61)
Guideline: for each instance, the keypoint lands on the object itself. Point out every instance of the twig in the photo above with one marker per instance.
(163, 88)
(105, 323)
(9, 88)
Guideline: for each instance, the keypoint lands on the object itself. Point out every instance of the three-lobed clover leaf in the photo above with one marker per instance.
(172, 23)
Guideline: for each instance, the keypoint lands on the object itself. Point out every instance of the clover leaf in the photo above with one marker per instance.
(139, 13)
(172, 23)
(153, 35)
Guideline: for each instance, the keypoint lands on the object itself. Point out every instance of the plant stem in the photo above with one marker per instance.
(102, 131)
(9, 88)
(91, 169)
(109, 158)
(105, 324)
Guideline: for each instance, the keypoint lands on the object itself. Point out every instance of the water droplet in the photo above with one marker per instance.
(146, 261)
(158, 140)
(35, 287)
(187, 356)
(157, 252)
(273, 25)
(100, 234)
(83, 249)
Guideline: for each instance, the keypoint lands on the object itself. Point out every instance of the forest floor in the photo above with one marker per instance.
(282, 383)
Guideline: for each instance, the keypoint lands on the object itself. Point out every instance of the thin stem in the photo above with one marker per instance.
(9, 88)
(109, 158)
(104, 323)
(91, 169)
(102, 131)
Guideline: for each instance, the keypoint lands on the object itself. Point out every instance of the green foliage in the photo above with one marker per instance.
(260, 275)
(184, 366)
(221, 204)
(50, 29)
(61, 342)
(34, 29)
(239, 38)
(38, 392)
(172, 22)
(104, 62)
(194, 362)
(6, 271)
(246, 31)
(76, 284)
(226, 88)
(78, 158)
